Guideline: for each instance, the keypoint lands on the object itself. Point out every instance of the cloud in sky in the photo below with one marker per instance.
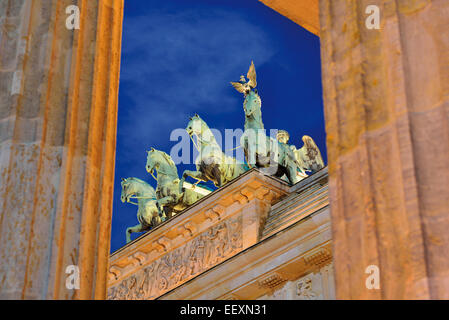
(179, 62)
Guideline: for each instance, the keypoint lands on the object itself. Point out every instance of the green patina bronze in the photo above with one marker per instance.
(272, 156)
(266, 153)
(211, 164)
(147, 212)
(308, 157)
(169, 196)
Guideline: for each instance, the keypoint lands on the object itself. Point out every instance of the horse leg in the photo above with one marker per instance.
(162, 203)
(169, 213)
(160, 211)
(156, 220)
(217, 175)
(136, 228)
(198, 175)
(249, 153)
(166, 200)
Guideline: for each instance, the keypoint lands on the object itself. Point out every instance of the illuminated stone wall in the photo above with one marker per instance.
(58, 93)
(386, 101)
(255, 238)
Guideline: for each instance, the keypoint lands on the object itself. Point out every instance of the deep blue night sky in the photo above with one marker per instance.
(178, 58)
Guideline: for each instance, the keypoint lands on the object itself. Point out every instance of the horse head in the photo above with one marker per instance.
(198, 127)
(195, 125)
(252, 104)
(125, 190)
(136, 187)
(161, 162)
(128, 189)
(151, 161)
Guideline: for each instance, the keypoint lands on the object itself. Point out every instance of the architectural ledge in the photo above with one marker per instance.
(305, 197)
(295, 241)
(300, 249)
(220, 225)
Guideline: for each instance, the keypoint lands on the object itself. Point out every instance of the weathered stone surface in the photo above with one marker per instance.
(317, 285)
(183, 263)
(211, 231)
(386, 99)
(307, 196)
(386, 107)
(275, 266)
(57, 128)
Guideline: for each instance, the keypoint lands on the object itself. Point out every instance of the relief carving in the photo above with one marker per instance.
(304, 289)
(177, 266)
(138, 258)
(187, 229)
(319, 257)
(272, 281)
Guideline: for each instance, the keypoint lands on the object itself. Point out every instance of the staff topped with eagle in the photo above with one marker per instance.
(244, 86)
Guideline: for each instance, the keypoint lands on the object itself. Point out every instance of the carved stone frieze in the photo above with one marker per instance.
(207, 233)
(139, 258)
(187, 229)
(114, 272)
(230, 296)
(305, 289)
(203, 252)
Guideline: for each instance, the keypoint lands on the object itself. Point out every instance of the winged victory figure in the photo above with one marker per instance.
(309, 156)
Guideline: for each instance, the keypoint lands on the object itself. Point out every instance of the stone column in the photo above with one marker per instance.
(386, 100)
(58, 93)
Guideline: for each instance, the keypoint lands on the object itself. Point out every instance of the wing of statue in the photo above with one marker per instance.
(238, 86)
(252, 76)
(309, 156)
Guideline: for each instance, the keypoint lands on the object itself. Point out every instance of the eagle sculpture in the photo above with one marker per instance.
(244, 86)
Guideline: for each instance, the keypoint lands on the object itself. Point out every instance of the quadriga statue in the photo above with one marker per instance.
(211, 164)
(147, 212)
(169, 196)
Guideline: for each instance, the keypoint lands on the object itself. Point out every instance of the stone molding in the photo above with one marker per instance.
(58, 121)
(217, 227)
(306, 197)
(386, 103)
(298, 250)
(272, 280)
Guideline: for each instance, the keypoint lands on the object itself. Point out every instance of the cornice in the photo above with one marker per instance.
(249, 190)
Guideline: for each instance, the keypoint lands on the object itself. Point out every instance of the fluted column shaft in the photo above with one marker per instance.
(386, 100)
(58, 114)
